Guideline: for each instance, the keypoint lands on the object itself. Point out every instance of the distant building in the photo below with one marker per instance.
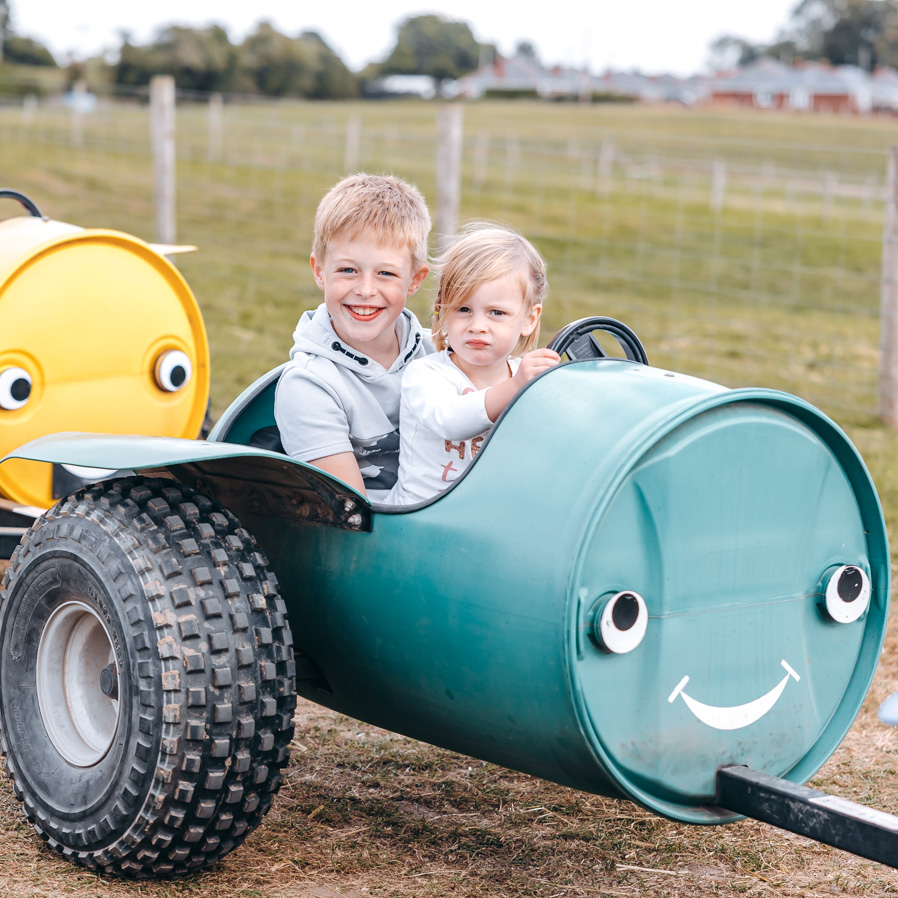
(813, 87)
(522, 74)
(655, 88)
(80, 100)
(884, 90)
(763, 84)
(390, 86)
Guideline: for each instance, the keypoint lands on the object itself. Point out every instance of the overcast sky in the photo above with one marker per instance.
(652, 35)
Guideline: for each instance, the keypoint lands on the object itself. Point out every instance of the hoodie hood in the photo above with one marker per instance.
(315, 334)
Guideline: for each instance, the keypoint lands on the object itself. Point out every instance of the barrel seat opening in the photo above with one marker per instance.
(250, 419)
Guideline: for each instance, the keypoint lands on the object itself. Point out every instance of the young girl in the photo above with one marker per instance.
(491, 288)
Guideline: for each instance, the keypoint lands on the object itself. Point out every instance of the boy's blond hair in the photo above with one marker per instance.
(484, 252)
(389, 209)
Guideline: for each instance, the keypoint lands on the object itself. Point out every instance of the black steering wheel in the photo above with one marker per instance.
(578, 341)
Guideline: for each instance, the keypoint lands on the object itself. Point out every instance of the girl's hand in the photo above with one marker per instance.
(533, 363)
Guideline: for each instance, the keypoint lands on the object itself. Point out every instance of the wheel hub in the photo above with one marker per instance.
(78, 684)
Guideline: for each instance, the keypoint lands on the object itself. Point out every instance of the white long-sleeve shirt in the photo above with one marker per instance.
(442, 423)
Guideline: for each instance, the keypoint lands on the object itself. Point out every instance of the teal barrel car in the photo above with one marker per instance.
(648, 586)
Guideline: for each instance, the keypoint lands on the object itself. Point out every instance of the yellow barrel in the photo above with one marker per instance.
(98, 332)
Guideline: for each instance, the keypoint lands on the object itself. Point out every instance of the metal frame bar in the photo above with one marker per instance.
(799, 809)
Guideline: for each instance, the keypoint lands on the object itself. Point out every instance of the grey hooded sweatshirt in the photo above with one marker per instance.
(331, 398)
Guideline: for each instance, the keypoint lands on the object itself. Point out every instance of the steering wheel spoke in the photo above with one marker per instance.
(578, 340)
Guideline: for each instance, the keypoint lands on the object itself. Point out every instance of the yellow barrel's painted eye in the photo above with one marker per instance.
(15, 388)
(173, 370)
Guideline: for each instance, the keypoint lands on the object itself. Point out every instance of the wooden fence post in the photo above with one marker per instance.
(162, 125)
(606, 166)
(449, 145)
(481, 159)
(888, 340)
(29, 108)
(512, 160)
(216, 106)
(353, 142)
(830, 189)
(718, 185)
(78, 97)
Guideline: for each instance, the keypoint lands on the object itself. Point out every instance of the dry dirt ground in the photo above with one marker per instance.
(367, 813)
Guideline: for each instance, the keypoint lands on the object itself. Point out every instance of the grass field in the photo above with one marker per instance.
(793, 254)
(776, 286)
(368, 814)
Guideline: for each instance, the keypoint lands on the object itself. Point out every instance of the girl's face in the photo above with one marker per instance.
(483, 330)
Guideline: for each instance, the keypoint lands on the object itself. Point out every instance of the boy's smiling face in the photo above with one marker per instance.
(365, 287)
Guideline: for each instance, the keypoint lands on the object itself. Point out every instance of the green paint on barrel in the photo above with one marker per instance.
(471, 622)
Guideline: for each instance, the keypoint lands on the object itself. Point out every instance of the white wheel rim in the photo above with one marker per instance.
(80, 719)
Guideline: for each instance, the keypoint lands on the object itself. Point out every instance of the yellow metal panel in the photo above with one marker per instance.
(87, 314)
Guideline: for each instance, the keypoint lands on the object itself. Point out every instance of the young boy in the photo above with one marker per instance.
(337, 401)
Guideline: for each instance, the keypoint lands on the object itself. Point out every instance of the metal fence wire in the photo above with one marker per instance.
(742, 248)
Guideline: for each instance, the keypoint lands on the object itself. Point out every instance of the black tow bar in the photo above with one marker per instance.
(834, 821)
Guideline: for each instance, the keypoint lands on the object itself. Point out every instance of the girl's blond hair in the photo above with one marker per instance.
(484, 252)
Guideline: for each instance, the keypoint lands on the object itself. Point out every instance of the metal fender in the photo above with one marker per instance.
(248, 480)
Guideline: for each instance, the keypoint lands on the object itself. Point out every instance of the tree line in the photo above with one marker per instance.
(269, 62)
(266, 62)
(843, 32)
(17, 49)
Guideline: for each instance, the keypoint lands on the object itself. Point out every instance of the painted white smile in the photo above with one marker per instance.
(736, 716)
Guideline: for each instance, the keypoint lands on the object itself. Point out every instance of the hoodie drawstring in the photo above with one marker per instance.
(414, 348)
(338, 347)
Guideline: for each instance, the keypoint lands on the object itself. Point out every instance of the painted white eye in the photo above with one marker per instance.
(847, 594)
(173, 370)
(620, 623)
(15, 388)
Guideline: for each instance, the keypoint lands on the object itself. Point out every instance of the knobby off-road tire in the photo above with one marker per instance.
(146, 679)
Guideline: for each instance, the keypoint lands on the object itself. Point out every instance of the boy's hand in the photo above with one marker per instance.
(534, 362)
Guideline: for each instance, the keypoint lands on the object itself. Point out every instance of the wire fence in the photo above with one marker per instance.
(741, 247)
